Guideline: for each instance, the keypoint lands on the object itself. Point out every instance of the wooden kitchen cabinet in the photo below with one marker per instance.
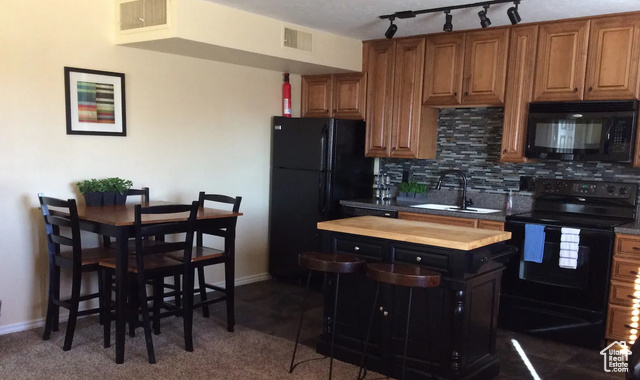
(562, 61)
(394, 78)
(443, 69)
(339, 95)
(466, 68)
(612, 61)
(453, 221)
(624, 273)
(519, 91)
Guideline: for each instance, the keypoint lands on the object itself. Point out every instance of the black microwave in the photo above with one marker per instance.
(582, 131)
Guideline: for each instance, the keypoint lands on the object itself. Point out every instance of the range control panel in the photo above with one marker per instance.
(586, 189)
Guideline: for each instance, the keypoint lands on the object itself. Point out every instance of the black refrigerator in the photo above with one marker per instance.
(315, 162)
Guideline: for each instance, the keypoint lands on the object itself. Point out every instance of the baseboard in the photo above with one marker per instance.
(23, 326)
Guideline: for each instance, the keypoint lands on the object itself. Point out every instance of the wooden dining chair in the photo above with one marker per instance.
(204, 256)
(65, 250)
(152, 263)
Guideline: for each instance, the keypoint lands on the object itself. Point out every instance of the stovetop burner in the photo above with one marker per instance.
(568, 220)
(584, 204)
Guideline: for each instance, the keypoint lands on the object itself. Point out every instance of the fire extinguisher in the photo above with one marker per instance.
(286, 96)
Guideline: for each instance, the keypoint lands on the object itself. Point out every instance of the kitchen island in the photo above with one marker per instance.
(452, 327)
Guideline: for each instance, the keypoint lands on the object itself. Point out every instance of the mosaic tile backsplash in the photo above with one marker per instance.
(469, 140)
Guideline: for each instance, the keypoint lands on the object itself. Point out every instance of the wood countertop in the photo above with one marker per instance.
(434, 234)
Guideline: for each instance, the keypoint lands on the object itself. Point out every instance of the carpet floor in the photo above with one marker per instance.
(218, 354)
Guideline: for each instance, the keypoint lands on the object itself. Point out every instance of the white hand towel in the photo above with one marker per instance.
(571, 246)
(568, 254)
(570, 231)
(570, 238)
(568, 263)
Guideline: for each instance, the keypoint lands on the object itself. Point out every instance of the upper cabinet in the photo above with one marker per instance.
(338, 95)
(588, 60)
(394, 78)
(562, 58)
(466, 68)
(612, 62)
(522, 53)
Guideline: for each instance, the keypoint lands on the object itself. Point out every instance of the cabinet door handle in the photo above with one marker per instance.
(590, 89)
(381, 308)
(455, 94)
(636, 248)
(633, 272)
(418, 259)
(466, 93)
(575, 89)
(385, 313)
(504, 151)
(387, 214)
(356, 248)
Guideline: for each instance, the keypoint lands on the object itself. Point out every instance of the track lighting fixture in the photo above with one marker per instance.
(484, 20)
(513, 14)
(448, 25)
(391, 31)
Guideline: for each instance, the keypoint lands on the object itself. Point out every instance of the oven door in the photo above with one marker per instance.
(585, 287)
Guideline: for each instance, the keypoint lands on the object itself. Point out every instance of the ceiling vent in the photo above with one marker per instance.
(142, 13)
(296, 39)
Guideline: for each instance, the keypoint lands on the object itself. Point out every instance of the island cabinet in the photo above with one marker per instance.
(588, 59)
(452, 327)
(337, 95)
(395, 127)
(466, 68)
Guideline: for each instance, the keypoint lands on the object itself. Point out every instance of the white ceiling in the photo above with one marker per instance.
(359, 18)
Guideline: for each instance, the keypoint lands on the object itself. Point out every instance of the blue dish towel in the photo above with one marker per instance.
(533, 242)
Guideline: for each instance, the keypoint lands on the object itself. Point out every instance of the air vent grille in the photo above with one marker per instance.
(297, 39)
(142, 13)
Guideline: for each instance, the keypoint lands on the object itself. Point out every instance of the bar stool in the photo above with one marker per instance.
(410, 276)
(325, 263)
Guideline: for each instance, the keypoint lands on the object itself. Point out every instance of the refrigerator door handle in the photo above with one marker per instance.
(322, 194)
(323, 146)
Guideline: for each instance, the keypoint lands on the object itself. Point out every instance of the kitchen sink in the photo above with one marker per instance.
(440, 207)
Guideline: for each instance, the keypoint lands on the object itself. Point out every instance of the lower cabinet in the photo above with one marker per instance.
(452, 328)
(453, 221)
(625, 270)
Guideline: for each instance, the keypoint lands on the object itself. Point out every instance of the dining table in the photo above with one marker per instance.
(118, 222)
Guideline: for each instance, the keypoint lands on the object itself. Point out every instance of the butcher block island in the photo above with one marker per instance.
(452, 327)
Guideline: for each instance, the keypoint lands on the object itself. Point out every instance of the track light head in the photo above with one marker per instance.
(484, 20)
(513, 14)
(391, 31)
(448, 25)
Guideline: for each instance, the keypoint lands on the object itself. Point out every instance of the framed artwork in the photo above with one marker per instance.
(94, 102)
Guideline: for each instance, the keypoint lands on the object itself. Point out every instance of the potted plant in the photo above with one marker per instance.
(114, 190)
(92, 191)
(412, 190)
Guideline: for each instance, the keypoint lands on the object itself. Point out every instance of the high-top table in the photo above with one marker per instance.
(117, 222)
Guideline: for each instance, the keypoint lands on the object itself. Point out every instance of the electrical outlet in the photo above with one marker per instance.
(527, 183)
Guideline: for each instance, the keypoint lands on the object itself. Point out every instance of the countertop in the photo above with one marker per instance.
(433, 234)
(632, 228)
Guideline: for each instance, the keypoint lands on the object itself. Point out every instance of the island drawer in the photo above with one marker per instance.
(411, 255)
(367, 247)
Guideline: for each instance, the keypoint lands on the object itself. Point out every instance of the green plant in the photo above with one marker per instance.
(104, 185)
(116, 184)
(413, 187)
(89, 186)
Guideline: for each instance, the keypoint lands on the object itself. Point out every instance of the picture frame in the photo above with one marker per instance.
(95, 102)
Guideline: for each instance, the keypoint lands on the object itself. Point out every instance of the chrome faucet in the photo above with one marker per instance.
(465, 202)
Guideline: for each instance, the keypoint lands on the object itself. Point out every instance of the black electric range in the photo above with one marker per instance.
(549, 300)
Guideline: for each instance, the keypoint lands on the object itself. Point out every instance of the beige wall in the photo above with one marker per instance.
(191, 125)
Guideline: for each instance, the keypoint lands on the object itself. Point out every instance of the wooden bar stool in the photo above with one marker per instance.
(410, 276)
(325, 263)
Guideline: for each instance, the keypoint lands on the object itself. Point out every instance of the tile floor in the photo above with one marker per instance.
(273, 308)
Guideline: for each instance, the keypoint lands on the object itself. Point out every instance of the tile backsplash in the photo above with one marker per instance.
(469, 140)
